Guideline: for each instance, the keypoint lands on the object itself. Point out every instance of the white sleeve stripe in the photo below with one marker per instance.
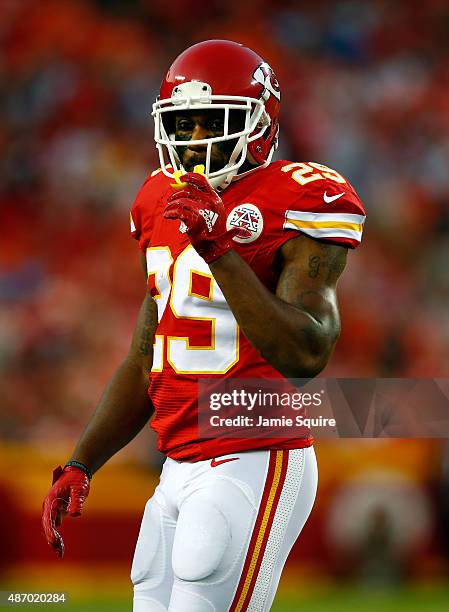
(133, 227)
(326, 232)
(300, 215)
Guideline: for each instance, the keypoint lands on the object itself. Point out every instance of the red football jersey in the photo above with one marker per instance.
(197, 335)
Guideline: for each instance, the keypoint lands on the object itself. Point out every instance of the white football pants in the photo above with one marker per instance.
(216, 534)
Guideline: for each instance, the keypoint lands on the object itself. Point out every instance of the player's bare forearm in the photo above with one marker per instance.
(125, 407)
(296, 329)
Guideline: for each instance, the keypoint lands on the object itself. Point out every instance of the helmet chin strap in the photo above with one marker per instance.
(241, 148)
(219, 183)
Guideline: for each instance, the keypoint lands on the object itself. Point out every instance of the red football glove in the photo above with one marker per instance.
(201, 210)
(70, 489)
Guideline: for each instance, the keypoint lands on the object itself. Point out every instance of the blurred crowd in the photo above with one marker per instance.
(365, 90)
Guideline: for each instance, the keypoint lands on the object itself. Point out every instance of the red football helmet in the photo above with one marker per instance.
(220, 74)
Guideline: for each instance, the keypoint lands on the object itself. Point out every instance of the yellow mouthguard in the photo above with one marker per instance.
(200, 169)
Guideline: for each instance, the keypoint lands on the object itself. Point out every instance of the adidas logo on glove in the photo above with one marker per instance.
(209, 216)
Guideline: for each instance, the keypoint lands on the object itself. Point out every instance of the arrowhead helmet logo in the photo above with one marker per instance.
(264, 75)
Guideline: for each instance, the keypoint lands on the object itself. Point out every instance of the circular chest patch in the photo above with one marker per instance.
(249, 221)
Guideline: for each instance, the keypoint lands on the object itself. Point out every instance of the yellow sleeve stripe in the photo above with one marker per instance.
(326, 225)
(330, 233)
(358, 227)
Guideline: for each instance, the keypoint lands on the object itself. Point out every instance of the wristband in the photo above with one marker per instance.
(81, 466)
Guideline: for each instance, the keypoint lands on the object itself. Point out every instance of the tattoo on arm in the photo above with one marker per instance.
(314, 266)
(309, 277)
(330, 260)
(290, 288)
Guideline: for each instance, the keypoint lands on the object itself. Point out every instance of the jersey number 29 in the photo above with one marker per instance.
(183, 356)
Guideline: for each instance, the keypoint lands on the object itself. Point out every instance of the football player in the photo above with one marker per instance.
(242, 256)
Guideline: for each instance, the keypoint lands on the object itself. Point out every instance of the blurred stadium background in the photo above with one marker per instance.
(365, 90)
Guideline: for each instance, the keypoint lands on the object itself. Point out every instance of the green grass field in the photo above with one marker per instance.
(416, 599)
